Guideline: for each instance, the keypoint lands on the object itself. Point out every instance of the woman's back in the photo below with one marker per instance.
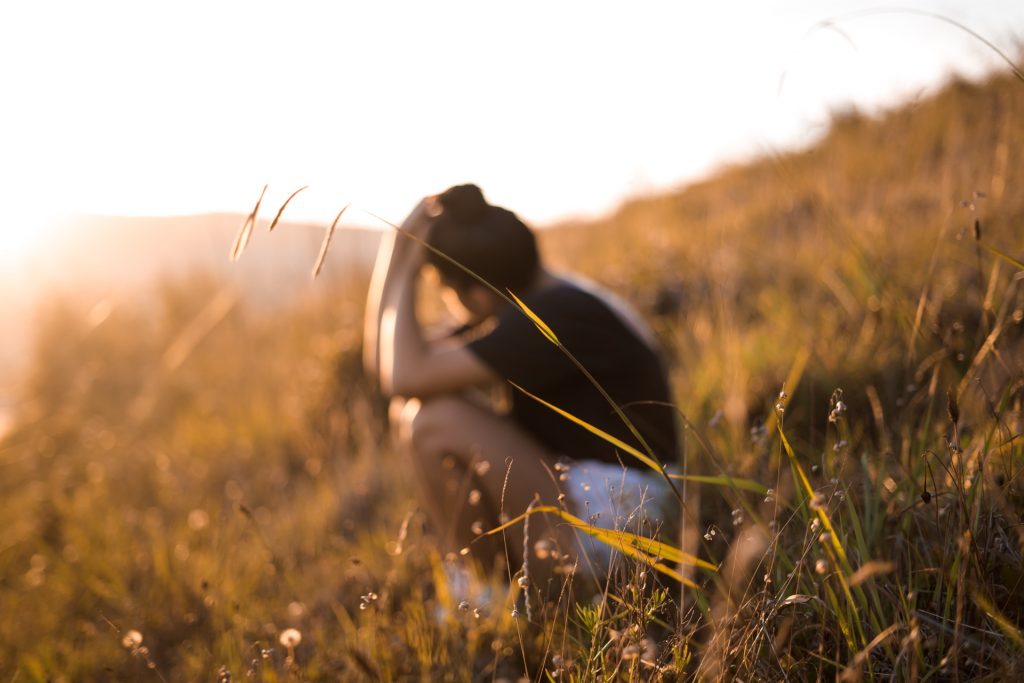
(610, 342)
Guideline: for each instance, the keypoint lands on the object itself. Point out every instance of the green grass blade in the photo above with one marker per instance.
(618, 443)
(1002, 621)
(643, 544)
(647, 550)
(822, 515)
(839, 553)
(724, 481)
(1006, 257)
(541, 325)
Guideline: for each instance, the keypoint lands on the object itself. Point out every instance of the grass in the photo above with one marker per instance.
(198, 489)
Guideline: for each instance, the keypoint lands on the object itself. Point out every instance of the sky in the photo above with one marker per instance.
(557, 109)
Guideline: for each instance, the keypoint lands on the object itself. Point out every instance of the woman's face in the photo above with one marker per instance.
(470, 304)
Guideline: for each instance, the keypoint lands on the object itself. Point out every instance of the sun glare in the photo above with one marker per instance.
(24, 231)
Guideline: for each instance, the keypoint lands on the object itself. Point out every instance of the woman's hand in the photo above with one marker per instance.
(422, 217)
(409, 250)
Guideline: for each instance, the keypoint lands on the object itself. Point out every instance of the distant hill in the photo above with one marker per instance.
(117, 258)
(111, 253)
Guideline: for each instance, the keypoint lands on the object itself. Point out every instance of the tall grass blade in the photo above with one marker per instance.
(870, 569)
(1006, 257)
(854, 670)
(643, 544)
(839, 553)
(618, 443)
(940, 17)
(723, 481)
(1002, 621)
(198, 329)
(819, 511)
(647, 550)
(242, 239)
(541, 325)
(327, 242)
(280, 211)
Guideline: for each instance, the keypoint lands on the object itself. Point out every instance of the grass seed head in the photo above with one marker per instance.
(132, 639)
(290, 637)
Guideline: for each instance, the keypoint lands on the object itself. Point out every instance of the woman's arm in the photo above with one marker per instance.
(392, 261)
(395, 350)
(374, 305)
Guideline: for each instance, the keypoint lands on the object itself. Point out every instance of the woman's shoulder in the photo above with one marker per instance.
(574, 289)
(565, 287)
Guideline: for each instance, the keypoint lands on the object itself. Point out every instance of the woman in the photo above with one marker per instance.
(477, 465)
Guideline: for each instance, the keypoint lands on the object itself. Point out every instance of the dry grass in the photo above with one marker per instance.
(188, 481)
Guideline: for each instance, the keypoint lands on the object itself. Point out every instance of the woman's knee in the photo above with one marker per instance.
(401, 412)
(432, 424)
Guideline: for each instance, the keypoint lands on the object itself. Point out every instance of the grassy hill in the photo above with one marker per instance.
(190, 474)
(860, 249)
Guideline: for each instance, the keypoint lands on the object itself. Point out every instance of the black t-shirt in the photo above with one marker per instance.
(628, 369)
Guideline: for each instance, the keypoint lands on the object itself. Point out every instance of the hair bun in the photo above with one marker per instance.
(465, 204)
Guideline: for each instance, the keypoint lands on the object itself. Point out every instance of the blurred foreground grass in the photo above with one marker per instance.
(203, 476)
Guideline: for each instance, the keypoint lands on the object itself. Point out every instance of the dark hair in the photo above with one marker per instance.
(489, 240)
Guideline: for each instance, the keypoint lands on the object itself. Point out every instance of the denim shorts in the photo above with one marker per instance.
(610, 496)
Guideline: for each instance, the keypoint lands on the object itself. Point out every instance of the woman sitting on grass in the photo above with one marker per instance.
(476, 465)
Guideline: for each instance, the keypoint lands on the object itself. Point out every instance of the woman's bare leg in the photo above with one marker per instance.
(457, 446)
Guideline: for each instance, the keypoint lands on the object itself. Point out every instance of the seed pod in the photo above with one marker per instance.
(952, 406)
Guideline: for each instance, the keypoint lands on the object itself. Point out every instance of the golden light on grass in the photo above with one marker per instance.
(649, 551)
(235, 400)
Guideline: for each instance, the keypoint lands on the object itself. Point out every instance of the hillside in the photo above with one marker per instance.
(120, 260)
(868, 235)
(201, 486)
